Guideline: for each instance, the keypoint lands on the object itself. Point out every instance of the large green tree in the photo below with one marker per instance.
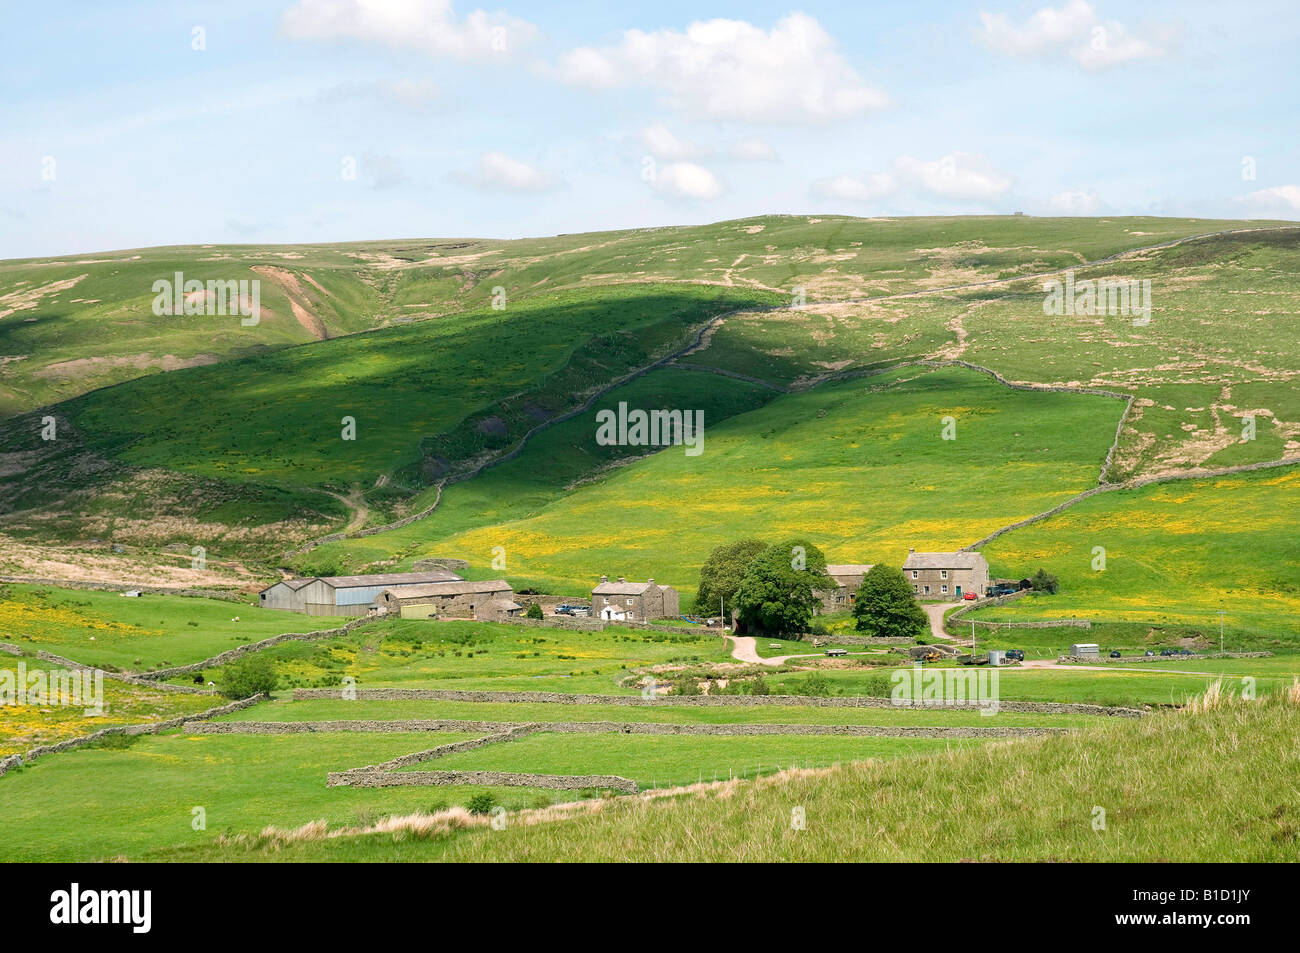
(885, 605)
(775, 596)
(722, 571)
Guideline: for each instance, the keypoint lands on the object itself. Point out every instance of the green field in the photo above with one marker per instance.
(478, 655)
(153, 631)
(858, 467)
(23, 727)
(1033, 800)
(1176, 553)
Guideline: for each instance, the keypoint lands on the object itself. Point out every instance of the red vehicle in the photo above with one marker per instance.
(970, 595)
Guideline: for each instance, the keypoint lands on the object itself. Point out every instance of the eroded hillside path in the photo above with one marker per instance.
(704, 335)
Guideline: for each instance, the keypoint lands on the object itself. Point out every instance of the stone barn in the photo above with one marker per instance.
(342, 595)
(847, 578)
(637, 601)
(485, 601)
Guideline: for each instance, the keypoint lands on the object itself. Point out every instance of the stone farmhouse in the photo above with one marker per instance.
(847, 579)
(624, 601)
(946, 576)
(484, 601)
(342, 595)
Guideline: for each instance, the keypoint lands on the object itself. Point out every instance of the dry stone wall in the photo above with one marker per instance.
(126, 587)
(14, 761)
(232, 654)
(497, 730)
(559, 698)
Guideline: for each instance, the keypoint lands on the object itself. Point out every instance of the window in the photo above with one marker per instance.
(927, 590)
(943, 589)
(943, 574)
(916, 589)
(604, 600)
(629, 602)
(915, 574)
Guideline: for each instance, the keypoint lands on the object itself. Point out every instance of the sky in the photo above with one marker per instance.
(132, 124)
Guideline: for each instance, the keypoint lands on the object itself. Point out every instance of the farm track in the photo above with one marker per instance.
(706, 331)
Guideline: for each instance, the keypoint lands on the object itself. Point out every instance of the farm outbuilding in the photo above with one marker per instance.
(638, 601)
(342, 595)
(485, 601)
(847, 578)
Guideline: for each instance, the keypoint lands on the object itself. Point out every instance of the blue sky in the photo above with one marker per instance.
(131, 124)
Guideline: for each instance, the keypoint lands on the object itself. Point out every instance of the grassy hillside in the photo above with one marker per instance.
(233, 447)
(104, 629)
(1175, 553)
(1221, 344)
(72, 324)
(1025, 800)
(859, 467)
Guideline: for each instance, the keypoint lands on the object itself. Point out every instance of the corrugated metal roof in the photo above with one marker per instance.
(389, 579)
(455, 588)
(943, 561)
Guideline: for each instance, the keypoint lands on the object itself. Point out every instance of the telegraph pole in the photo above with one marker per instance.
(1220, 631)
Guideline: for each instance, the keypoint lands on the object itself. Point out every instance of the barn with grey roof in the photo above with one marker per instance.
(342, 595)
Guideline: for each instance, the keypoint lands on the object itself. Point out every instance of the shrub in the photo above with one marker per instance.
(482, 803)
(759, 686)
(686, 685)
(1044, 581)
(814, 683)
(534, 611)
(248, 676)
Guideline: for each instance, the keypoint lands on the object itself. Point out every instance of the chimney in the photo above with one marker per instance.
(650, 581)
(911, 549)
(622, 579)
(604, 579)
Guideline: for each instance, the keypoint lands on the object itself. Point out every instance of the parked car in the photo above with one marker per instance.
(1015, 655)
(1150, 653)
(1114, 653)
(970, 595)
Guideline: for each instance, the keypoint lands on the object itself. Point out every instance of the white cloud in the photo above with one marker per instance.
(1074, 30)
(430, 26)
(755, 150)
(1282, 201)
(960, 175)
(866, 188)
(1074, 202)
(660, 142)
(496, 171)
(731, 69)
(686, 180)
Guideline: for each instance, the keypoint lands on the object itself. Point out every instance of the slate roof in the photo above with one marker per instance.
(848, 569)
(622, 588)
(943, 561)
